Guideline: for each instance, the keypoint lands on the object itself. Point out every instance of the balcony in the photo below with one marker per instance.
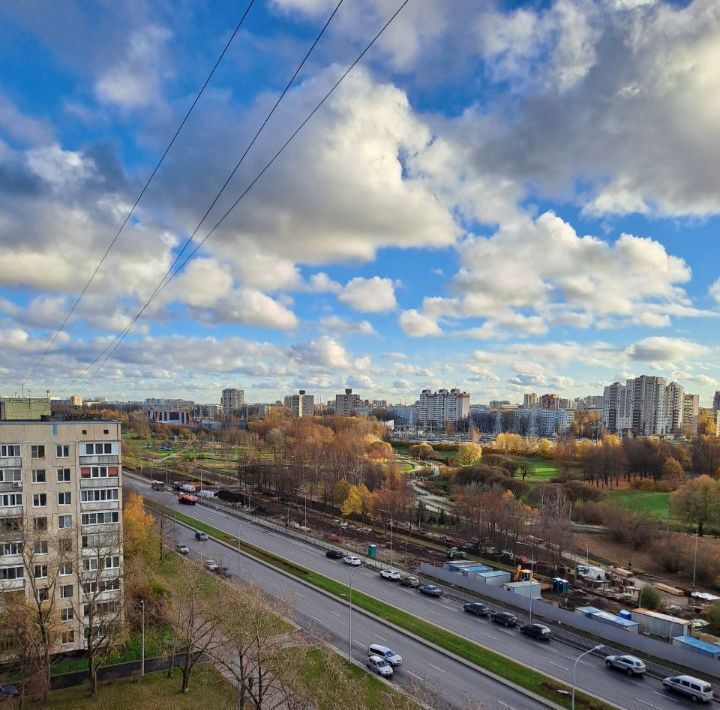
(11, 462)
(12, 585)
(9, 486)
(99, 459)
(109, 482)
(88, 506)
(11, 511)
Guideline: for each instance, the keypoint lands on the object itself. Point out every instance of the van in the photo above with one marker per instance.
(694, 688)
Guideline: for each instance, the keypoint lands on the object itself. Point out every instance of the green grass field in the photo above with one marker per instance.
(652, 503)
(154, 692)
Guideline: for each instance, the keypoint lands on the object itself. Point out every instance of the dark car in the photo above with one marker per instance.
(8, 690)
(504, 618)
(536, 631)
(201, 536)
(430, 590)
(335, 554)
(476, 608)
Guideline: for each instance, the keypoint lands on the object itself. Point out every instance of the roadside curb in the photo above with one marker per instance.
(468, 664)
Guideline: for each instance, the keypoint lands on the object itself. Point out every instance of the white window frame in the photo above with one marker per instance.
(63, 591)
(64, 498)
(9, 451)
(43, 572)
(9, 573)
(64, 522)
(67, 637)
(35, 478)
(61, 475)
(10, 475)
(66, 569)
(35, 451)
(11, 500)
(39, 497)
(62, 451)
(67, 614)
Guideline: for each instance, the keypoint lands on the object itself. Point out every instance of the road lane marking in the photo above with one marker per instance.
(357, 643)
(668, 697)
(490, 636)
(507, 633)
(316, 619)
(436, 668)
(552, 663)
(334, 612)
(434, 612)
(414, 675)
(645, 702)
(380, 637)
(297, 594)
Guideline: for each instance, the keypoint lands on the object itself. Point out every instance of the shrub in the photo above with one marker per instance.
(670, 553)
(629, 528)
(579, 491)
(712, 616)
(589, 513)
(708, 567)
(649, 597)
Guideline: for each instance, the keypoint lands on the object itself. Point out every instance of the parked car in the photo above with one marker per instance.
(8, 690)
(629, 664)
(430, 590)
(694, 688)
(223, 572)
(201, 536)
(536, 631)
(454, 553)
(380, 666)
(211, 565)
(504, 618)
(182, 548)
(476, 608)
(352, 561)
(392, 574)
(409, 580)
(376, 649)
(157, 486)
(335, 554)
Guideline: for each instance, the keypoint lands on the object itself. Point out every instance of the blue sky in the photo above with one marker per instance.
(504, 197)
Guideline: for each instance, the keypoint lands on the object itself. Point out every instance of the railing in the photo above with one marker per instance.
(108, 482)
(11, 462)
(99, 459)
(89, 506)
(7, 486)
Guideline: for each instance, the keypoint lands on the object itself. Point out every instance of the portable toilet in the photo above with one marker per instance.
(624, 614)
(560, 585)
(372, 551)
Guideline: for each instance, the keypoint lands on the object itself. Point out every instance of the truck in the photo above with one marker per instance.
(187, 499)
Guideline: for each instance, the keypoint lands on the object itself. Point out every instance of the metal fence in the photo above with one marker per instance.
(637, 642)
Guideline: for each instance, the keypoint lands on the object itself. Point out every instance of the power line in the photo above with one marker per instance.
(169, 275)
(118, 340)
(142, 192)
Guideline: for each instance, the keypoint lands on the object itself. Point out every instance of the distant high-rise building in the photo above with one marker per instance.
(691, 410)
(716, 401)
(674, 408)
(300, 404)
(549, 401)
(232, 399)
(345, 404)
(443, 406)
(530, 400)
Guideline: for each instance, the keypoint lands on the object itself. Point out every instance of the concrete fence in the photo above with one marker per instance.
(641, 644)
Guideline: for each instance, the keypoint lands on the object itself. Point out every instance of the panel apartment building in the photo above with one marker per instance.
(442, 407)
(300, 404)
(61, 520)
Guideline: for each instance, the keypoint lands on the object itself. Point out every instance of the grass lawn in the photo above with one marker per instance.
(543, 470)
(652, 503)
(484, 657)
(333, 683)
(405, 466)
(155, 691)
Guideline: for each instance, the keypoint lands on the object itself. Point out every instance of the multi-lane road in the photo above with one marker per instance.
(453, 679)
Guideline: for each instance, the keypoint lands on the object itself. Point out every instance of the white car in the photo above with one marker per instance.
(392, 574)
(694, 688)
(380, 666)
(182, 549)
(631, 665)
(352, 561)
(211, 565)
(376, 649)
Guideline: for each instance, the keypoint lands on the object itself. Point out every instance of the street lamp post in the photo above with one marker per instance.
(352, 569)
(142, 637)
(532, 570)
(383, 510)
(697, 534)
(599, 647)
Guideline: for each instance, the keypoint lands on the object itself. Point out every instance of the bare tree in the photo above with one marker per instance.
(99, 606)
(195, 616)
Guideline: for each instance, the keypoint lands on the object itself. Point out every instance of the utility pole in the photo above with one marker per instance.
(695, 557)
(142, 641)
(352, 569)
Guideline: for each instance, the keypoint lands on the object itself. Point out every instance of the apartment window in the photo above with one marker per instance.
(39, 500)
(37, 451)
(64, 521)
(8, 500)
(41, 547)
(63, 475)
(9, 450)
(64, 544)
(101, 609)
(96, 540)
(66, 569)
(43, 595)
(10, 548)
(67, 637)
(100, 518)
(90, 587)
(84, 431)
(110, 585)
(40, 571)
(106, 431)
(112, 562)
(99, 494)
(9, 525)
(7, 573)
(91, 565)
(67, 614)
(97, 449)
(98, 471)
(63, 451)
(66, 591)
(38, 475)
(40, 524)
(10, 475)
(64, 498)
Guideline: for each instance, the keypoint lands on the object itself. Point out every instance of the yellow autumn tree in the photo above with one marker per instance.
(469, 454)
(353, 502)
(137, 527)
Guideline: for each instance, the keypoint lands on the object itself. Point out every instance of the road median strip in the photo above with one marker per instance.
(497, 664)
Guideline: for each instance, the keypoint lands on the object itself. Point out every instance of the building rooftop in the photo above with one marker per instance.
(698, 643)
(658, 615)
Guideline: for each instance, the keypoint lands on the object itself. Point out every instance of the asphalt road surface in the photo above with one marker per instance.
(556, 659)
